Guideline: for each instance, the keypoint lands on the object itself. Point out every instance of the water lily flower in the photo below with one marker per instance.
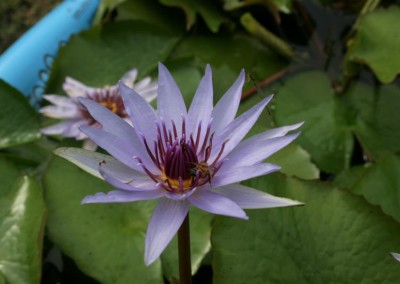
(75, 115)
(181, 157)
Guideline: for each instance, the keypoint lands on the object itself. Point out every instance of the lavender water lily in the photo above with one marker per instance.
(74, 114)
(181, 157)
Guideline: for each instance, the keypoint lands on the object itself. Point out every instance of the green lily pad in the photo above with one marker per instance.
(378, 183)
(22, 218)
(19, 123)
(103, 54)
(336, 237)
(207, 9)
(377, 43)
(326, 133)
(107, 240)
(295, 161)
(378, 118)
(243, 52)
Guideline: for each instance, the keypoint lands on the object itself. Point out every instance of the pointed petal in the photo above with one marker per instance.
(216, 204)
(396, 256)
(112, 123)
(272, 133)
(117, 148)
(237, 129)
(143, 183)
(202, 104)
(250, 198)
(129, 77)
(141, 85)
(69, 128)
(151, 93)
(164, 224)
(141, 113)
(170, 104)
(89, 145)
(233, 175)
(252, 153)
(75, 89)
(63, 107)
(89, 161)
(226, 108)
(122, 196)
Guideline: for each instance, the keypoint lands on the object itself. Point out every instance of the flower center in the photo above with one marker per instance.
(107, 97)
(183, 161)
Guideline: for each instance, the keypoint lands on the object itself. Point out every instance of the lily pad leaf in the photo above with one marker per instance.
(377, 43)
(329, 240)
(19, 123)
(22, 217)
(295, 161)
(326, 133)
(378, 183)
(118, 46)
(378, 118)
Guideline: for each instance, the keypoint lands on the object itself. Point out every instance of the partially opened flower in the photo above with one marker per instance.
(195, 157)
(75, 115)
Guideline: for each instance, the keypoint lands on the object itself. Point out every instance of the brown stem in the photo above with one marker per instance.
(265, 82)
(185, 267)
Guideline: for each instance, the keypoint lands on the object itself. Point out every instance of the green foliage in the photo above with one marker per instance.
(350, 136)
(22, 220)
(19, 123)
(377, 43)
(329, 240)
(326, 134)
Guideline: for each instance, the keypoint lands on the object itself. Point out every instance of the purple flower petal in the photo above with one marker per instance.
(89, 161)
(233, 175)
(237, 129)
(69, 128)
(226, 108)
(250, 198)
(141, 113)
(112, 123)
(170, 104)
(164, 224)
(202, 105)
(129, 77)
(142, 184)
(396, 256)
(75, 89)
(122, 196)
(216, 204)
(117, 148)
(257, 151)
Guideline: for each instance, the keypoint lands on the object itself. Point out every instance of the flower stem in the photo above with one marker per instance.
(185, 266)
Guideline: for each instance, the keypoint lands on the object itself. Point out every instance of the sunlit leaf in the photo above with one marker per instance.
(22, 217)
